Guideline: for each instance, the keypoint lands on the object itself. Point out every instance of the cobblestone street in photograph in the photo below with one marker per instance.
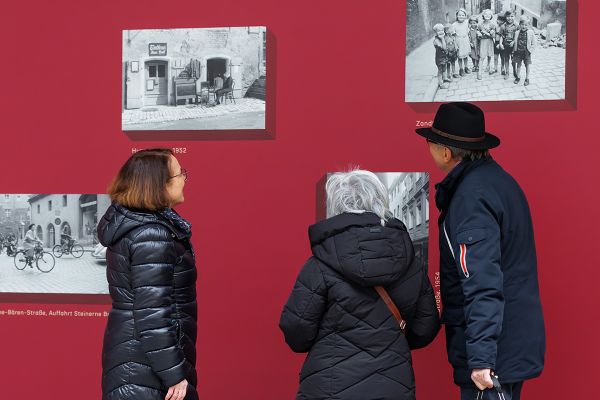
(547, 79)
(70, 275)
(152, 117)
(546, 82)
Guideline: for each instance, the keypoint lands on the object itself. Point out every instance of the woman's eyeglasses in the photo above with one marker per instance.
(183, 173)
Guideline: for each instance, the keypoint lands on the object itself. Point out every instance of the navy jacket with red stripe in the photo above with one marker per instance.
(489, 284)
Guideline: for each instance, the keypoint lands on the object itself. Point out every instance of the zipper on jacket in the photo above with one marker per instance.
(448, 239)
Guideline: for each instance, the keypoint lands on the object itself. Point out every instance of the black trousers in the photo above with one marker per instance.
(512, 391)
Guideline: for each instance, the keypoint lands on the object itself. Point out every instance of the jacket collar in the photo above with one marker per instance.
(145, 216)
(446, 188)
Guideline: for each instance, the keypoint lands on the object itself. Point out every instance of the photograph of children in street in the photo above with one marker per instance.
(485, 50)
(408, 194)
(194, 79)
(48, 243)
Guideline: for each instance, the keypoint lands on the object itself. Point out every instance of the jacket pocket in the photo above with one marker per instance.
(465, 239)
(178, 331)
(471, 236)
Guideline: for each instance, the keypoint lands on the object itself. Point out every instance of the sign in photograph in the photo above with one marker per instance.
(157, 49)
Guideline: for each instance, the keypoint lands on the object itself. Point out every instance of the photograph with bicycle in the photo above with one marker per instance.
(48, 243)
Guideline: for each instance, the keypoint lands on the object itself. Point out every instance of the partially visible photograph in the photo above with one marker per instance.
(409, 202)
(48, 243)
(485, 50)
(194, 79)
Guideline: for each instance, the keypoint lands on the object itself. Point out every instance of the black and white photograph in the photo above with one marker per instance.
(202, 79)
(485, 50)
(48, 243)
(409, 202)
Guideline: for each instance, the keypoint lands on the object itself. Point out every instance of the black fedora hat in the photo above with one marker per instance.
(460, 125)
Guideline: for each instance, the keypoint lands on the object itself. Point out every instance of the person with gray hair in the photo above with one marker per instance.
(355, 192)
(361, 302)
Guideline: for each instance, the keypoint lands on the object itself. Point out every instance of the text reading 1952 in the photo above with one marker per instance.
(176, 150)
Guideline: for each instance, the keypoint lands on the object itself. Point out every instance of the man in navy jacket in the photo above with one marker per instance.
(489, 285)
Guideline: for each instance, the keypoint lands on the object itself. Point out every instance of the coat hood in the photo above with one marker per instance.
(118, 221)
(363, 250)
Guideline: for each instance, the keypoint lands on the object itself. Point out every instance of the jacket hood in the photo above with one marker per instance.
(361, 249)
(118, 221)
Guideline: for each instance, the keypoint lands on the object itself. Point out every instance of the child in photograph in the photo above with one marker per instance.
(461, 29)
(507, 32)
(487, 29)
(474, 42)
(441, 55)
(452, 48)
(498, 44)
(524, 45)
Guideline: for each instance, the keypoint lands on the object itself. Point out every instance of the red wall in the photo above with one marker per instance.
(338, 99)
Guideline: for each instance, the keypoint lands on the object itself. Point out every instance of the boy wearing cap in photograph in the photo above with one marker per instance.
(488, 267)
(524, 45)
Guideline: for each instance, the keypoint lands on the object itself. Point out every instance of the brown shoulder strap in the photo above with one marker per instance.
(388, 302)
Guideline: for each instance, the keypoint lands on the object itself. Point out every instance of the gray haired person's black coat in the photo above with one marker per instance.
(150, 337)
(356, 348)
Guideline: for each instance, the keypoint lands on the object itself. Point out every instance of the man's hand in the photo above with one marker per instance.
(482, 378)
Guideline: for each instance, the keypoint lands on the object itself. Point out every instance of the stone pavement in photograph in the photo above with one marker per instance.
(421, 74)
(547, 79)
(546, 82)
(70, 275)
(156, 114)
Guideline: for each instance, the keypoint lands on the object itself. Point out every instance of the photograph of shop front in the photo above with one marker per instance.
(466, 50)
(409, 202)
(194, 79)
(49, 243)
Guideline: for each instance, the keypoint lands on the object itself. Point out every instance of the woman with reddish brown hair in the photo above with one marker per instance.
(149, 349)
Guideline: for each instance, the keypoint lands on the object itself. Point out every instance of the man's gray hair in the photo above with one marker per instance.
(464, 154)
(357, 191)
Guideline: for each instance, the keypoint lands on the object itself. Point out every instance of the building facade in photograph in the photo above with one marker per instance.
(75, 214)
(168, 66)
(14, 215)
(409, 202)
(542, 12)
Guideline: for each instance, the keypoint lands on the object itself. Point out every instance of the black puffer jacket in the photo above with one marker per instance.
(356, 348)
(150, 338)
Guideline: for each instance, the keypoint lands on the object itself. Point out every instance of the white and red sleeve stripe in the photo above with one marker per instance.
(463, 260)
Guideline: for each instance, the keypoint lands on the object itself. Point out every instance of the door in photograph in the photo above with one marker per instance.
(156, 83)
(216, 68)
(40, 233)
(51, 241)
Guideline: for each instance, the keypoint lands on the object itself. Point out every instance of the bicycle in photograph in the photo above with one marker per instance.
(44, 260)
(68, 246)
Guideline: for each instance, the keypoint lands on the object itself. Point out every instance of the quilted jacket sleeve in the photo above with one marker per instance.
(153, 257)
(304, 309)
(476, 244)
(425, 324)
